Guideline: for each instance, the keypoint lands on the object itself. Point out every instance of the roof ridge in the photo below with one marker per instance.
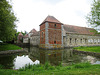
(51, 19)
(78, 26)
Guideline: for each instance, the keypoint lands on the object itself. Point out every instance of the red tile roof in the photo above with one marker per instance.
(33, 31)
(51, 19)
(35, 34)
(26, 36)
(78, 30)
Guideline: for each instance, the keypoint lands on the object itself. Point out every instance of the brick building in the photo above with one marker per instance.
(55, 35)
(51, 36)
(20, 38)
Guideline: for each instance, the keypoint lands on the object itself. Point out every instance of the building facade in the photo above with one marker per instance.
(79, 36)
(55, 35)
(51, 33)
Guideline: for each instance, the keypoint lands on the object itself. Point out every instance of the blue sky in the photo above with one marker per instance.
(31, 13)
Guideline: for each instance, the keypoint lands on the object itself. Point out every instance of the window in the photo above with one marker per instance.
(85, 40)
(81, 41)
(89, 40)
(70, 40)
(75, 40)
(95, 40)
(55, 26)
(54, 42)
(98, 40)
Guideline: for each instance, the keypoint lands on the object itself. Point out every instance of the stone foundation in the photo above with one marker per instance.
(50, 46)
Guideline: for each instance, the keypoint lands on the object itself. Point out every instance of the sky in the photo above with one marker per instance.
(31, 13)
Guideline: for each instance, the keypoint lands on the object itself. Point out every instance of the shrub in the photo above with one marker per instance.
(1, 66)
(82, 65)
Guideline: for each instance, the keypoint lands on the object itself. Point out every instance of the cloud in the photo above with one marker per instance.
(32, 12)
(51, 2)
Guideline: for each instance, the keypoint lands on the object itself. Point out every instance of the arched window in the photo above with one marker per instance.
(70, 40)
(55, 26)
(54, 42)
(85, 40)
(80, 40)
(75, 40)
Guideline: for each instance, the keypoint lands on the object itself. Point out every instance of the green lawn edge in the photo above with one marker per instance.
(6, 47)
(88, 49)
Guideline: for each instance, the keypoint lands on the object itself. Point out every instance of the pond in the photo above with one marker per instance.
(38, 56)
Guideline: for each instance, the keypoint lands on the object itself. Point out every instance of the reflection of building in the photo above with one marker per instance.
(34, 54)
(55, 57)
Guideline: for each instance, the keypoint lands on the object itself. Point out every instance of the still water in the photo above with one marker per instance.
(37, 56)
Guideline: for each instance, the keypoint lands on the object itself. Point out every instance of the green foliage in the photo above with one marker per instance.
(5, 47)
(1, 66)
(75, 69)
(24, 33)
(82, 65)
(7, 21)
(94, 16)
(89, 49)
(46, 66)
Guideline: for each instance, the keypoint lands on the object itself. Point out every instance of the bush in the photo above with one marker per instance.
(1, 66)
(82, 65)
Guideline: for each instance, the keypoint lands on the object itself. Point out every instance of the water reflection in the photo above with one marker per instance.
(55, 57)
(21, 61)
(7, 61)
(37, 56)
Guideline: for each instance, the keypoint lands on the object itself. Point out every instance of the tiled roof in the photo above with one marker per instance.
(26, 36)
(33, 31)
(51, 19)
(35, 34)
(78, 30)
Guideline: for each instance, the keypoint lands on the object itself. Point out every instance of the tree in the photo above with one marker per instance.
(7, 21)
(93, 17)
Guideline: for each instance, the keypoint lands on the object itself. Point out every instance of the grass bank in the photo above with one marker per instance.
(89, 49)
(5, 47)
(47, 69)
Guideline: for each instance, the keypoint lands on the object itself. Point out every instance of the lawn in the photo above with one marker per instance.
(76, 69)
(89, 49)
(5, 47)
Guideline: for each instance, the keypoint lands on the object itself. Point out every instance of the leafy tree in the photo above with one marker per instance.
(93, 17)
(7, 21)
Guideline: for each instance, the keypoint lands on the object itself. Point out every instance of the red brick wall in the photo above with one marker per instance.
(54, 33)
(42, 34)
(42, 27)
(52, 25)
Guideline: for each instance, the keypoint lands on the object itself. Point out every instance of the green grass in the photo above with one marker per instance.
(89, 49)
(5, 47)
(47, 69)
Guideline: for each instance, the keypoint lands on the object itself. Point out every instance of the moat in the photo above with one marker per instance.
(38, 56)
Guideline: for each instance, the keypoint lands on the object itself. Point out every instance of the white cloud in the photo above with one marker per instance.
(31, 13)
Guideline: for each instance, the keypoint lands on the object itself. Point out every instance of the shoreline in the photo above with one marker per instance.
(87, 53)
(13, 51)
